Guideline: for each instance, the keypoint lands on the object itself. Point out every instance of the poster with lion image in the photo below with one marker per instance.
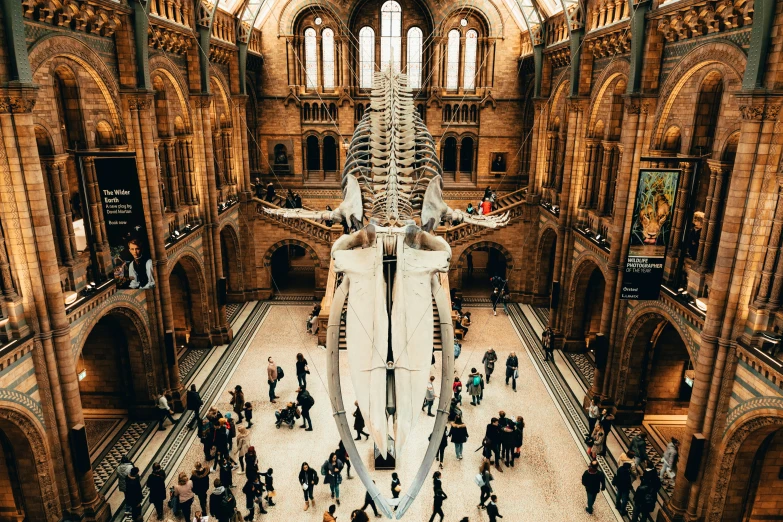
(651, 229)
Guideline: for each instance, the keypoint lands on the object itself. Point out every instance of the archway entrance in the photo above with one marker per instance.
(481, 264)
(188, 307)
(585, 305)
(293, 271)
(232, 268)
(22, 497)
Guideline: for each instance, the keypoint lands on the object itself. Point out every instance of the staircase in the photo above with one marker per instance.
(319, 232)
(513, 203)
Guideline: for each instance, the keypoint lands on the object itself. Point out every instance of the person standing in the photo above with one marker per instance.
(470, 255)
(593, 413)
(251, 462)
(238, 402)
(358, 423)
(547, 340)
(492, 509)
(123, 470)
(156, 483)
(270, 486)
(474, 387)
(623, 482)
(226, 473)
(185, 495)
(594, 482)
(270, 192)
(515, 440)
(248, 409)
(512, 369)
(644, 500)
(308, 478)
(439, 497)
(368, 501)
(669, 459)
(485, 487)
(301, 370)
(271, 375)
(489, 363)
(429, 396)
(332, 470)
(241, 447)
(396, 486)
(251, 494)
(305, 401)
(599, 439)
(457, 389)
(200, 480)
(459, 436)
(194, 404)
(493, 440)
(164, 411)
(133, 494)
(342, 455)
(222, 503)
(329, 515)
(444, 441)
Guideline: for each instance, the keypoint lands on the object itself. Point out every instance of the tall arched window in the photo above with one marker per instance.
(366, 57)
(330, 154)
(313, 153)
(452, 61)
(466, 155)
(311, 59)
(327, 48)
(450, 154)
(391, 35)
(414, 57)
(469, 73)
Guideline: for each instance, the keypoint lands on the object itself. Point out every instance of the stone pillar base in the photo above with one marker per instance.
(200, 341)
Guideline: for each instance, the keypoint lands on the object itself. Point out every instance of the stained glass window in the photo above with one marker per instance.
(452, 61)
(311, 59)
(469, 74)
(391, 35)
(327, 48)
(414, 57)
(366, 57)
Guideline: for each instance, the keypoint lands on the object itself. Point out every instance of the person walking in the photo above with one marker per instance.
(454, 410)
(492, 437)
(459, 436)
(484, 484)
(251, 494)
(495, 298)
(248, 410)
(270, 486)
(547, 340)
(639, 448)
(492, 509)
(358, 423)
(474, 387)
(123, 470)
(444, 441)
(644, 500)
(429, 396)
(368, 501)
(301, 370)
(623, 482)
(133, 494)
(329, 515)
(489, 363)
(439, 496)
(156, 483)
(238, 402)
(396, 486)
(512, 370)
(594, 482)
(305, 401)
(593, 413)
(271, 375)
(669, 459)
(241, 447)
(456, 388)
(342, 454)
(308, 478)
(194, 404)
(200, 480)
(164, 411)
(332, 470)
(251, 463)
(184, 491)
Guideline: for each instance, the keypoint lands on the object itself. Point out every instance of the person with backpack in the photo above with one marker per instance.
(305, 401)
(194, 404)
(483, 480)
(156, 483)
(459, 436)
(222, 503)
(332, 470)
(439, 496)
(512, 370)
(474, 387)
(644, 500)
(133, 493)
(457, 349)
(358, 423)
(489, 363)
(272, 378)
(623, 482)
(429, 396)
(457, 389)
(308, 478)
(200, 480)
(238, 402)
(594, 482)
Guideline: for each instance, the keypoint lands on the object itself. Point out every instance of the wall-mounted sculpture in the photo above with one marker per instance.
(392, 201)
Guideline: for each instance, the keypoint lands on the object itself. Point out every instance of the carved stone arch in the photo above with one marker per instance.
(56, 45)
(190, 260)
(163, 65)
(751, 430)
(546, 239)
(704, 55)
(584, 265)
(293, 10)
(25, 430)
(722, 139)
(233, 254)
(618, 68)
(45, 138)
(557, 108)
(489, 14)
(422, 5)
(286, 242)
(462, 262)
(223, 96)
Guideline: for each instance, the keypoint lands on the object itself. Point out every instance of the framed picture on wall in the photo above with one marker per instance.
(280, 154)
(498, 162)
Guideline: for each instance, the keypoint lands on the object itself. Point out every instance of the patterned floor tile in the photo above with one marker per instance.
(105, 467)
(584, 365)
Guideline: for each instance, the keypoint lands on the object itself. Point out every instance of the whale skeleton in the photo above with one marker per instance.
(390, 266)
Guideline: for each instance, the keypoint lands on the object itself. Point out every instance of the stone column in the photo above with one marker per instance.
(551, 158)
(609, 159)
(584, 199)
(101, 242)
(228, 153)
(712, 215)
(61, 208)
(173, 176)
(678, 222)
(772, 265)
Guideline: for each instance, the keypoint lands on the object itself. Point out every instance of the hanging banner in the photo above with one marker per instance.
(651, 228)
(126, 228)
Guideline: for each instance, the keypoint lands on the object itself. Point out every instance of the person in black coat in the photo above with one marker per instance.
(216, 507)
(194, 405)
(226, 473)
(253, 490)
(133, 494)
(368, 501)
(439, 496)
(309, 476)
(492, 509)
(358, 423)
(444, 441)
(251, 463)
(207, 435)
(200, 479)
(156, 483)
(220, 441)
(396, 486)
(512, 365)
(594, 482)
(305, 401)
(493, 437)
(623, 481)
(342, 454)
(269, 485)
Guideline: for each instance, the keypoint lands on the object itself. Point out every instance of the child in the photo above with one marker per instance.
(248, 411)
(270, 490)
(457, 389)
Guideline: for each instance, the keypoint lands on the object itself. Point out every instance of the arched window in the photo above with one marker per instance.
(466, 155)
(311, 59)
(313, 153)
(469, 73)
(306, 112)
(366, 57)
(450, 154)
(414, 57)
(327, 48)
(391, 35)
(452, 61)
(330, 154)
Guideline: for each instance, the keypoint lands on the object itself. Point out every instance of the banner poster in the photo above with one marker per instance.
(126, 228)
(651, 228)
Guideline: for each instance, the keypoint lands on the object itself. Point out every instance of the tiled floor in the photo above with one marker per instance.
(544, 486)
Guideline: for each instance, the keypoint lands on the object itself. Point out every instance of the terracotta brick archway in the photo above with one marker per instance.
(545, 262)
(462, 262)
(188, 293)
(583, 310)
(320, 268)
(232, 260)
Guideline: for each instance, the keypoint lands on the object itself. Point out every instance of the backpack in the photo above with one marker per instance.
(309, 401)
(280, 373)
(324, 468)
(459, 388)
(476, 380)
(479, 480)
(228, 504)
(457, 350)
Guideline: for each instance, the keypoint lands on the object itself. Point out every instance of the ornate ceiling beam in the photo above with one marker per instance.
(245, 24)
(205, 16)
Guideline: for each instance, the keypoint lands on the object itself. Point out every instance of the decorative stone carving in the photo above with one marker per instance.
(83, 16)
(712, 17)
(752, 112)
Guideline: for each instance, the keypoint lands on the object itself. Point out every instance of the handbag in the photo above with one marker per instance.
(516, 374)
(304, 486)
(307, 369)
(479, 480)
